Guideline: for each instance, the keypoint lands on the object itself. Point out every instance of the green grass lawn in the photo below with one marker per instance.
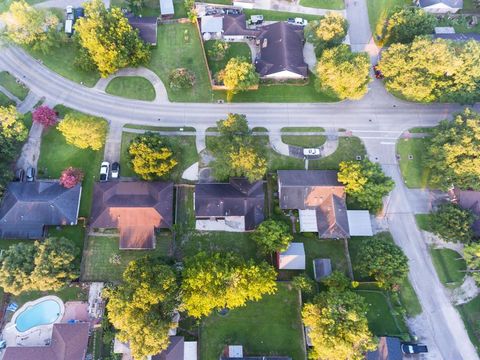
(450, 266)
(414, 172)
(380, 10)
(184, 148)
(185, 215)
(236, 49)
(158, 128)
(75, 233)
(150, 7)
(56, 155)
(10, 83)
(409, 299)
(470, 313)
(131, 87)
(424, 221)
(100, 249)
(271, 326)
(5, 100)
(323, 4)
(272, 15)
(307, 141)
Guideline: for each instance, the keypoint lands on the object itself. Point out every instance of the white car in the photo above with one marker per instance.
(69, 9)
(310, 152)
(104, 170)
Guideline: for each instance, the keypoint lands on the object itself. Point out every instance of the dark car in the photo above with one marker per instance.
(30, 174)
(115, 170)
(79, 12)
(408, 348)
(20, 175)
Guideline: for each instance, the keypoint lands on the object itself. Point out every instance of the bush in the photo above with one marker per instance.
(181, 78)
(44, 116)
(452, 223)
(219, 50)
(71, 177)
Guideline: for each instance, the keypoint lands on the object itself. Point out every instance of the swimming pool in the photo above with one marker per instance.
(44, 312)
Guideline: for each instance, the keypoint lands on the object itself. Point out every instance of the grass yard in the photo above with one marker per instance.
(306, 141)
(100, 249)
(414, 172)
(184, 148)
(10, 83)
(56, 155)
(75, 233)
(324, 4)
(450, 266)
(150, 7)
(424, 221)
(236, 49)
(380, 10)
(409, 299)
(5, 100)
(71, 293)
(470, 313)
(131, 87)
(271, 326)
(158, 128)
(272, 15)
(184, 216)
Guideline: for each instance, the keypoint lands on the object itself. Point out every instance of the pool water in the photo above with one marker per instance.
(43, 313)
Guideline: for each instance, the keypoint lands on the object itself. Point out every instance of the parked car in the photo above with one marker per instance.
(20, 175)
(79, 12)
(30, 174)
(256, 19)
(115, 170)
(69, 10)
(310, 152)
(409, 348)
(297, 21)
(104, 170)
(231, 11)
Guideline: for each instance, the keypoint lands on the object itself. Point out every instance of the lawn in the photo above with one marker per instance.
(184, 148)
(71, 293)
(131, 87)
(306, 141)
(10, 83)
(414, 172)
(5, 100)
(236, 49)
(272, 15)
(75, 233)
(100, 250)
(424, 221)
(56, 155)
(450, 266)
(150, 7)
(409, 299)
(158, 128)
(470, 313)
(323, 4)
(380, 10)
(271, 326)
(184, 214)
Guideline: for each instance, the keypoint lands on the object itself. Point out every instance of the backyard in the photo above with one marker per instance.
(306, 141)
(271, 326)
(235, 49)
(131, 87)
(450, 266)
(10, 83)
(412, 156)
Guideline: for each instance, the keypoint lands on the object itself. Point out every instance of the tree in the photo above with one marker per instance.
(223, 281)
(304, 283)
(11, 125)
(238, 75)
(142, 306)
(452, 152)
(272, 236)
(109, 39)
(452, 223)
(218, 50)
(135, 6)
(407, 23)
(83, 131)
(70, 177)
(343, 72)
(383, 260)
(472, 257)
(365, 184)
(181, 78)
(38, 266)
(338, 326)
(246, 161)
(337, 281)
(191, 11)
(44, 116)
(151, 157)
(327, 32)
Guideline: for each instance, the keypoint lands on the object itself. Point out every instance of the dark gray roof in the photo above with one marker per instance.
(27, 207)
(389, 348)
(322, 268)
(237, 25)
(458, 37)
(468, 199)
(236, 198)
(259, 358)
(174, 351)
(147, 28)
(332, 219)
(451, 3)
(281, 49)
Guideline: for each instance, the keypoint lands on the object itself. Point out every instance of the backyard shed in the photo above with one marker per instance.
(166, 9)
(293, 258)
(359, 223)
(322, 268)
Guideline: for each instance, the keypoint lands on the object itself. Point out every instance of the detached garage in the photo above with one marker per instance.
(293, 258)
(359, 223)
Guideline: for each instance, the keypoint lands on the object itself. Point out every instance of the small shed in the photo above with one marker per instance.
(166, 9)
(359, 223)
(211, 24)
(322, 268)
(293, 258)
(235, 351)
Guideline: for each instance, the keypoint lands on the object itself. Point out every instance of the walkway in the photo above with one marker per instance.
(10, 95)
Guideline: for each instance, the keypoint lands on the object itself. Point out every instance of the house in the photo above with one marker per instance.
(136, 208)
(166, 9)
(281, 52)
(322, 268)
(389, 348)
(235, 352)
(440, 6)
(293, 258)
(147, 27)
(235, 28)
(178, 349)
(68, 342)
(27, 207)
(211, 26)
(235, 206)
(470, 200)
(462, 37)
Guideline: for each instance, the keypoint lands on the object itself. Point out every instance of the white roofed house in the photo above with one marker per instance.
(440, 6)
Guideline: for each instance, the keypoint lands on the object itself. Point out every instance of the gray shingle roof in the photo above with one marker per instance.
(470, 200)
(451, 3)
(332, 219)
(147, 28)
(175, 350)
(388, 349)
(458, 37)
(27, 207)
(237, 25)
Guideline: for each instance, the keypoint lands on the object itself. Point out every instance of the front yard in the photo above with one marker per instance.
(236, 49)
(470, 313)
(412, 157)
(306, 141)
(10, 83)
(380, 10)
(271, 326)
(450, 266)
(324, 4)
(131, 87)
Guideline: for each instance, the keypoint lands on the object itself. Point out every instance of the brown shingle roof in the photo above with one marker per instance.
(175, 350)
(237, 25)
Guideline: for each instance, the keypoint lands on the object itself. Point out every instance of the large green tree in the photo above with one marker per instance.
(343, 72)
(405, 24)
(365, 184)
(383, 260)
(223, 281)
(452, 152)
(83, 131)
(142, 306)
(472, 257)
(272, 236)
(327, 32)
(239, 75)
(109, 40)
(452, 223)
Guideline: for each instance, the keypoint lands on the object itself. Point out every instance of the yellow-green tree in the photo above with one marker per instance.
(109, 39)
(246, 161)
(327, 32)
(238, 75)
(83, 131)
(151, 157)
(11, 125)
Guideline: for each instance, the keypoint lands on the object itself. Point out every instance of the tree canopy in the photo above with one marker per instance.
(151, 157)
(452, 152)
(70, 177)
(433, 70)
(238, 75)
(365, 184)
(472, 257)
(452, 223)
(45, 116)
(142, 306)
(343, 72)
(407, 23)
(327, 32)
(272, 236)
(83, 131)
(109, 40)
(223, 280)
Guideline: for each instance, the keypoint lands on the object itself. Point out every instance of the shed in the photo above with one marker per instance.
(359, 223)
(211, 24)
(166, 9)
(322, 268)
(293, 258)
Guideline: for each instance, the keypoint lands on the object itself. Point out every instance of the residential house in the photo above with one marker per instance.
(281, 52)
(68, 342)
(235, 206)
(235, 28)
(440, 6)
(167, 11)
(136, 208)
(178, 349)
(235, 352)
(462, 37)
(389, 348)
(147, 27)
(470, 200)
(28, 207)
(211, 26)
(293, 258)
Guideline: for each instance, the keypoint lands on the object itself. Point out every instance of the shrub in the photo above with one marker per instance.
(70, 177)
(44, 116)
(181, 78)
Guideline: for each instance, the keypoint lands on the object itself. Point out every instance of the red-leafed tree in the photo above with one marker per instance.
(45, 116)
(70, 177)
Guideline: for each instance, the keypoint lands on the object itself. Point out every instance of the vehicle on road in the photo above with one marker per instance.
(409, 348)
(311, 152)
(115, 170)
(297, 21)
(104, 170)
(20, 175)
(30, 174)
